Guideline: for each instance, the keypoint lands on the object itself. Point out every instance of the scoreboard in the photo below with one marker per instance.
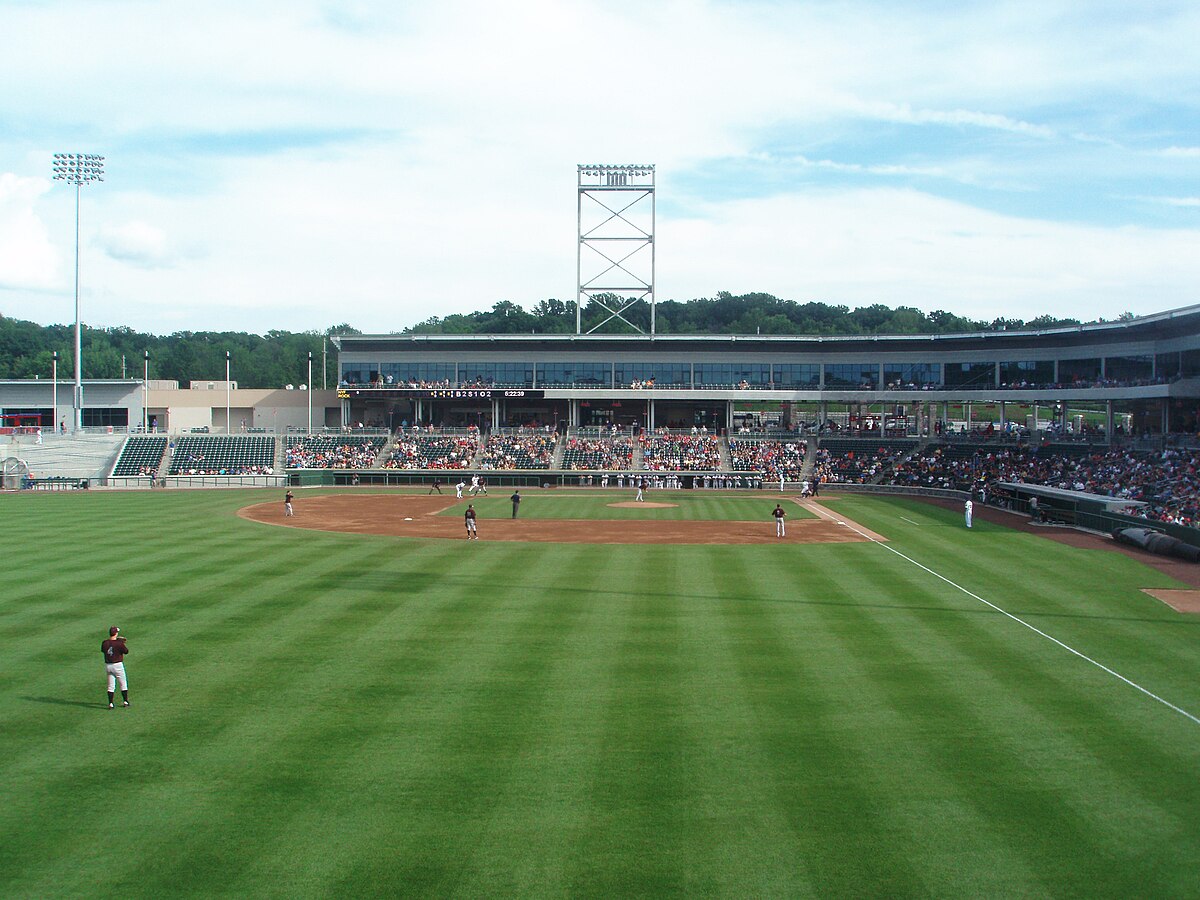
(400, 393)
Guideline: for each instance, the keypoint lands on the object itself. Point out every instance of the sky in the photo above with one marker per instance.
(296, 165)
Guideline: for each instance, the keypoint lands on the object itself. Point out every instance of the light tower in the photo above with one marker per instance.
(78, 169)
(615, 256)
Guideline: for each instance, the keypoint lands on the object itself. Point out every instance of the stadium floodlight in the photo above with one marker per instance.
(78, 169)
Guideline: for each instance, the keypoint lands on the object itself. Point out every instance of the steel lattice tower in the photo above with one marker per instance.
(615, 256)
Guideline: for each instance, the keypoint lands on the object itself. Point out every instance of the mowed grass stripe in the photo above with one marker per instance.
(632, 837)
(966, 721)
(532, 831)
(817, 738)
(428, 753)
(183, 776)
(338, 709)
(1154, 647)
(748, 845)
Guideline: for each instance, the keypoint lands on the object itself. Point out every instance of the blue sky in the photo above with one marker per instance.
(298, 164)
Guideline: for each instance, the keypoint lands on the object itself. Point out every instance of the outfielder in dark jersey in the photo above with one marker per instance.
(114, 651)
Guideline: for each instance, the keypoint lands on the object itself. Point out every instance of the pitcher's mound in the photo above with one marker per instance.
(645, 504)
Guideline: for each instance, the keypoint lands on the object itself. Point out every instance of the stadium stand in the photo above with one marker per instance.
(772, 457)
(666, 452)
(221, 455)
(432, 451)
(518, 451)
(598, 453)
(859, 462)
(321, 451)
(141, 456)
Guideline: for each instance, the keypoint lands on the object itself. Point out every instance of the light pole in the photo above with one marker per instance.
(228, 430)
(78, 169)
(146, 395)
(310, 392)
(54, 378)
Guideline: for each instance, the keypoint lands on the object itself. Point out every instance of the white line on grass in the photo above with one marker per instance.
(1018, 620)
(907, 519)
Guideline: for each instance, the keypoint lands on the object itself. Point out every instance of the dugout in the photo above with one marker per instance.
(1051, 504)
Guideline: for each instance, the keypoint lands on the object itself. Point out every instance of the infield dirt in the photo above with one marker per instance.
(404, 515)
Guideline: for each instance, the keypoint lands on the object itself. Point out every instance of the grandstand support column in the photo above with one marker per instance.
(1003, 415)
(1108, 422)
(495, 414)
(650, 415)
(345, 412)
(728, 417)
(824, 414)
(573, 413)
(945, 416)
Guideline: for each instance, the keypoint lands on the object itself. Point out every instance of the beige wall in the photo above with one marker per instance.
(275, 410)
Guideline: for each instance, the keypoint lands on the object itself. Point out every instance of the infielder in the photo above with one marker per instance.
(458, 489)
(641, 486)
(469, 519)
(968, 512)
(114, 651)
(287, 505)
(780, 514)
(474, 485)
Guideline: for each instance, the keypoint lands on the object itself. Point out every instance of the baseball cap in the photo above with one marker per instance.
(113, 630)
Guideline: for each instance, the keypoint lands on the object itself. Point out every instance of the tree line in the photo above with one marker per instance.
(281, 357)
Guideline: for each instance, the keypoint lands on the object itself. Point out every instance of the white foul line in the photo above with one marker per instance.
(1020, 621)
(907, 519)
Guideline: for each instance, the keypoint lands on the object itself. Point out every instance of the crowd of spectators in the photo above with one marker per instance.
(432, 451)
(1168, 481)
(860, 465)
(665, 452)
(325, 452)
(521, 450)
(604, 453)
(771, 457)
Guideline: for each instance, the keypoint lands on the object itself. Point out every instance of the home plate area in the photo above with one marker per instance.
(418, 517)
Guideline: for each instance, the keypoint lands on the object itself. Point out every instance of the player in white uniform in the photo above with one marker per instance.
(474, 485)
(969, 512)
(458, 489)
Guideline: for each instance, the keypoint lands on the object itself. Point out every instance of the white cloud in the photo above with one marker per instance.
(28, 260)
(292, 164)
(137, 243)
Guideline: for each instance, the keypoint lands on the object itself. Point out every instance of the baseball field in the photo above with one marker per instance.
(919, 710)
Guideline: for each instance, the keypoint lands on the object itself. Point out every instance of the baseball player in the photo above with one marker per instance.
(114, 651)
(458, 489)
(641, 486)
(437, 486)
(474, 485)
(780, 515)
(287, 505)
(469, 518)
(516, 502)
(969, 512)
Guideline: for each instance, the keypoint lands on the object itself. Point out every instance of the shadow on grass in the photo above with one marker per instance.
(58, 701)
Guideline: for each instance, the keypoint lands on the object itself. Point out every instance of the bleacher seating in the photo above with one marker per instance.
(666, 452)
(223, 455)
(141, 456)
(518, 451)
(611, 454)
(772, 457)
(432, 451)
(325, 451)
(858, 462)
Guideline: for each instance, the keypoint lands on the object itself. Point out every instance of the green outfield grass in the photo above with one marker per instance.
(325, 715)
(704, 506)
